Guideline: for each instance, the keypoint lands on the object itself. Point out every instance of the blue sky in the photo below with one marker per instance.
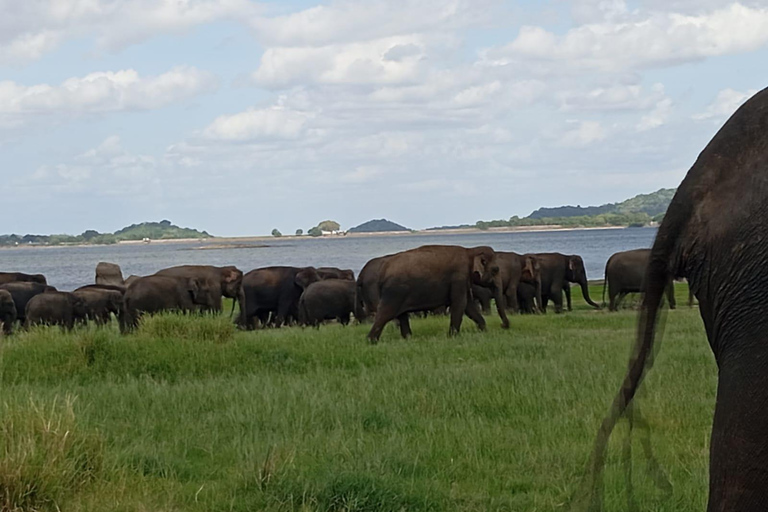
(236, 116)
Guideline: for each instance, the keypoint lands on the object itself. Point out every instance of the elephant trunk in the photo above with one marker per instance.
(501, 304)
(585, 291)
(539, 300)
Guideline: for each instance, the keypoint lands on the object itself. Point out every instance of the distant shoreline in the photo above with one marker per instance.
(262, 238)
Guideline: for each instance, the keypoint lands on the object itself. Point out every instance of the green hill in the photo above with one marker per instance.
(162, 230)
(378, 226)
(651, 204)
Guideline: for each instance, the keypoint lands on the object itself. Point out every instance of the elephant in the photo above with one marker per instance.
(7, 311)
(368, 286)
(557, 272)
(55, 308)
(109, 273)
(515, 269)
(432, 276)
(153, 294)
(221, 281)
(22, 293)
(335, 273)
(131, 279)
(714, 234)
(526, 298)
(275, 290)
(100, 303)
(482, 296)
(624, 273)
(19, 277)
(110, 287)
(326, 300)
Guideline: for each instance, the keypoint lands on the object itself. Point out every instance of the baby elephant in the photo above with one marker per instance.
(326, 300)
(100, 303)
(7, 311)
(56, 308)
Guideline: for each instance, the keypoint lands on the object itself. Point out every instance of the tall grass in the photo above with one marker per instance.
(193, 415)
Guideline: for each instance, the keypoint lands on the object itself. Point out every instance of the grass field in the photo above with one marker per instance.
(189, 414)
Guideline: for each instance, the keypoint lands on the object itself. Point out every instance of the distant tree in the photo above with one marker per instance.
(315, 231)
(276, 233)
(329, 225)
(299, 232)
(89, 234)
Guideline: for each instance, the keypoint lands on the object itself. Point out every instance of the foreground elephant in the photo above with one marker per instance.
(326, 300)
(7, 311)
(219, 281)
(22, 293)
(100, 303)
(335, 273)
(624, 273)
(153, 294)
(368, 286)
(557, 272)
(275, 290)
(109, 274)
(19, 277)
(55, 308)
(715, 235)
(433, 276)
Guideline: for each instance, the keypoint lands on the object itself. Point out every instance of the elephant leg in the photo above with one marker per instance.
(386, 313)
(557, 297)
(671, 294)
(459, 302)
(405, 325)
(476, 315)
(511, 297)
(613, 304)
(567, 290)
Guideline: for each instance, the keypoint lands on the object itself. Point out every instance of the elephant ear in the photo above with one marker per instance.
(571, 264)
(306, 277)
(231, 275)
(530, 267)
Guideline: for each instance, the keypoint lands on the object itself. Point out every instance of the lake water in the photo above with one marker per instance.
(70, 267)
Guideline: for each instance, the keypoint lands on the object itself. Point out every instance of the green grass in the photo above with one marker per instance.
(188, 414)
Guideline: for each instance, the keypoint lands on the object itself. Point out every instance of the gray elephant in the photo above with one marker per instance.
(326, 300)
(109, 274)
(368, 286)
(7, 311)
(557, 272)
(624, 274)
(335, 273)
(20, 277)
(55, 308)
(482, 296)
(22, 293)
(154, 294)
(715, 235)
(219, 282)
(275, 291)
(100, 303)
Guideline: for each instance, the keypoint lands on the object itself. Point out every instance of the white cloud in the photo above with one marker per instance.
(353, 21)
(726, 103)
(274, 122)
(29, 28)
(101, 92)
(656, 117)
(653, 40)
(611, 97)
(584, 134)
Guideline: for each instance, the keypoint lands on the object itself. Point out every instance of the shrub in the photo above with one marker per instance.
(44, 457)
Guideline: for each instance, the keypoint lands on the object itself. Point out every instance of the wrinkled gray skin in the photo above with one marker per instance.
(109, 274)
(22, 293)
(218, 281)
(7, 311)
(20, 277)
(101, 304)
(715, 234)
(275, 291)
(55, 308)
(326, 300)
(433, 276)
(624, 274)
(153, 294)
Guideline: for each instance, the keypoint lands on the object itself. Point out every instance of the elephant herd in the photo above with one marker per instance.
(434, 279)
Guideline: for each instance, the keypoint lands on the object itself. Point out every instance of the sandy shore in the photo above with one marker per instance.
(223, 242)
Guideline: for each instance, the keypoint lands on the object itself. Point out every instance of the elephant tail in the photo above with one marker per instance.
(658, 273)
(605, 281)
